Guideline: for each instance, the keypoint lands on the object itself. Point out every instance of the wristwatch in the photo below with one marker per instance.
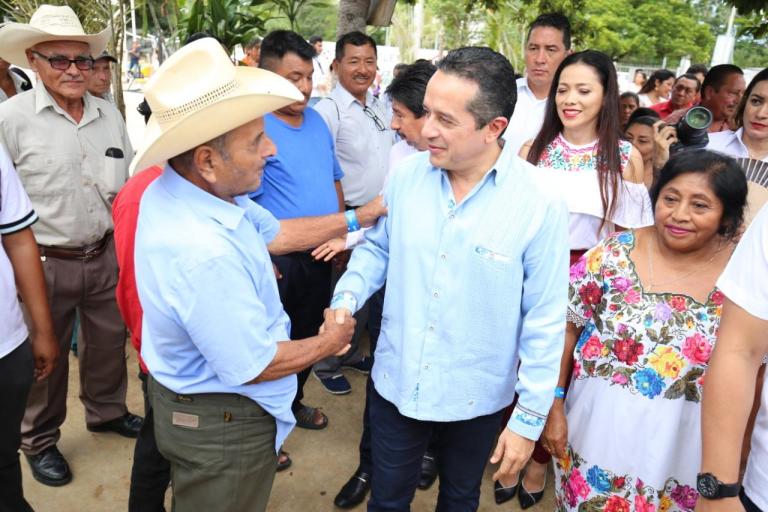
(711, 488)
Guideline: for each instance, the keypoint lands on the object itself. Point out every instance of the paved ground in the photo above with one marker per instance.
(323, 460)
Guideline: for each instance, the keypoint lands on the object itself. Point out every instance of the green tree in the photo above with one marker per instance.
(233, 22)
(292, 10)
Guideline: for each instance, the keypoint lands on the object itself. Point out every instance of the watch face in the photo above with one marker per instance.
(707, 485)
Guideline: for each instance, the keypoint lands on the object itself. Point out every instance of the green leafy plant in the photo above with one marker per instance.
(233, 22)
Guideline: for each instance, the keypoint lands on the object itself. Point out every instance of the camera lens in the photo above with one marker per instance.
(698, 118)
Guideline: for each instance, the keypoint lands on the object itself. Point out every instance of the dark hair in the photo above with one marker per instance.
(495, 78)
(644, 120)
(608, 125)
(556, 21)
(716, 77)
(690, 76)
(409, 86)
(400, 67)
(643, 112)
(315, 39)
(277, 43)
(355, 38)
(760, 77)
(253, 43)
(726, 177)
(697, 68)
(658, 76)
(632, 95)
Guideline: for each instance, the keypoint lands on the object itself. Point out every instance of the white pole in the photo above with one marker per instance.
(133, 17)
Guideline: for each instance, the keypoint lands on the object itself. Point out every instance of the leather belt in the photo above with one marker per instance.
(76, 253)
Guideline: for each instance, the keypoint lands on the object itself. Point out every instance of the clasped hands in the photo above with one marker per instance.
(338, 328)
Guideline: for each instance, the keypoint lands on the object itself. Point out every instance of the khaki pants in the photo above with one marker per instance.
(87, 286)
(221, 448)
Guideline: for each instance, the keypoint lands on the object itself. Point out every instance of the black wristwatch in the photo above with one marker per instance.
(711, 488)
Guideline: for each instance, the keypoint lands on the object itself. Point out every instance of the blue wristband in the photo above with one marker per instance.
(559, 392)
(352, 224)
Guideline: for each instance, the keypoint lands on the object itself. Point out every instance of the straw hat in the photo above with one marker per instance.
(48, 23)
(198, 94)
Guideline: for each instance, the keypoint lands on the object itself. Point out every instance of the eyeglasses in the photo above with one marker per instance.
(62, 63)
(378, 122)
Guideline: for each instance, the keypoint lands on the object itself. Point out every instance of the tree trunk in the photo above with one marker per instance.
(352, 16)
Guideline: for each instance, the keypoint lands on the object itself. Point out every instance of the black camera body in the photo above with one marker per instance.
(692, 130)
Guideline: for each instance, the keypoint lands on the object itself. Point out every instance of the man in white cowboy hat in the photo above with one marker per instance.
(71, 151)
(215, 337)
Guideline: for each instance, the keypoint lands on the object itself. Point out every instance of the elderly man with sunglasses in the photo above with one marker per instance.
(72, 152)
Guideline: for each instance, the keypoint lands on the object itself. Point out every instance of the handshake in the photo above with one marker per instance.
(337, 330)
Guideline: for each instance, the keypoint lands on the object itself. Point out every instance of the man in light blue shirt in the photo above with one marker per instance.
(474, 252)
(215, 337)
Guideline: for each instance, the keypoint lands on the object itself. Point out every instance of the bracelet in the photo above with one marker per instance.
(352, 224)
(559, 392)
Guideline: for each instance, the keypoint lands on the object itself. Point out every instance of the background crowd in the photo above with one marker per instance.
(290, 209)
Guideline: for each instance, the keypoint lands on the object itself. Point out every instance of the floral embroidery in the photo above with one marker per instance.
(654, 345)
(561, 155)
(604, 491)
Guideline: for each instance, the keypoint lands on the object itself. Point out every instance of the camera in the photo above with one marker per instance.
(692, 130)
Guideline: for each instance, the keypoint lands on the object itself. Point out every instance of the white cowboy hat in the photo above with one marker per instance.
(198, 94)
(48, 23)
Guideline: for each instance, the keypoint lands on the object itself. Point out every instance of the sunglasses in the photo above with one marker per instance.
(62, 63)
(372, 115)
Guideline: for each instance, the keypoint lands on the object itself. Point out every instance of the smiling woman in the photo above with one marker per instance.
(642, 323)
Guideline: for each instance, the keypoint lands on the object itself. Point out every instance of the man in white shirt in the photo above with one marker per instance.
(548, 43)
(730, 383)
(359, 125)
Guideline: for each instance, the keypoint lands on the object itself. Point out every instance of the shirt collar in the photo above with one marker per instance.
(204, 203)
(345, 98)
(43, 100)
(500, 169)
(738, 139)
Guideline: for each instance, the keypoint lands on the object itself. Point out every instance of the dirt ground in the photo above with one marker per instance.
(322, 460)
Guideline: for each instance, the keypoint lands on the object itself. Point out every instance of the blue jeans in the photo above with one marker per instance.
(398, 445)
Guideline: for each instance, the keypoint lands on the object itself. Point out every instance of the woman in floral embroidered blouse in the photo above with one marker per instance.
(599, 175)
(642, 322)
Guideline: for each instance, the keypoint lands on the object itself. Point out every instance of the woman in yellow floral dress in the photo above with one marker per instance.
(642, 322)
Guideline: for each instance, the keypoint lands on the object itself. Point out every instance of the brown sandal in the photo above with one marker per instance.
(286, 463)
(305, 418)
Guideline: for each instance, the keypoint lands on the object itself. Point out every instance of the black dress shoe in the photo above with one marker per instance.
(428, 471)
(49, 467)
(127, 425)
(528, 499)
(353, 493)
(504, 494)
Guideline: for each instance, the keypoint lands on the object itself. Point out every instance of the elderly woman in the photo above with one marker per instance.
(642, 321)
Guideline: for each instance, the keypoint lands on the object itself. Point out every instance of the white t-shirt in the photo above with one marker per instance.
(744, 283)
(16, 213)
(527, 118)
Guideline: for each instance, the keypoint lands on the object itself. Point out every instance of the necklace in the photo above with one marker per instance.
(651, 284)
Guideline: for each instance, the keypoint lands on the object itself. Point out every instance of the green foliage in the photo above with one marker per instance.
(233, 22)
(293, 9)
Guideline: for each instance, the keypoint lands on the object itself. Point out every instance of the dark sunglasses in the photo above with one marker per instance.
(62, 63)
(378, 122)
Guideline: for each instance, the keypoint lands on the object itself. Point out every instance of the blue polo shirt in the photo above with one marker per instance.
(212, 312)
(299, 180)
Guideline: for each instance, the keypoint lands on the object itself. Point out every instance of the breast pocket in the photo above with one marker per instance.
(114, 172)
(50, 174)
(495, 271)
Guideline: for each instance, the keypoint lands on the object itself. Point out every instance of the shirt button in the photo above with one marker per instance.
(431, 327)
(426, 367)
(443, 256)
(471, 402)
(451, 216)
(435, 294)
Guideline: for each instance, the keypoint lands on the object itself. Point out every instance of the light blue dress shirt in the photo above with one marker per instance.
(472, 288)
(212, 312)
